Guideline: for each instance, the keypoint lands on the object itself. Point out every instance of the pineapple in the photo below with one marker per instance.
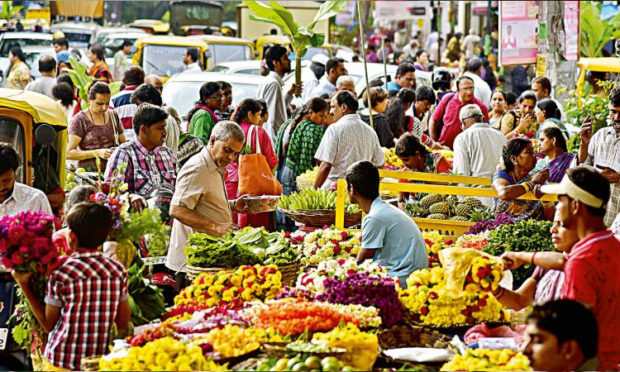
(441, 207)
(460, 219)
(452, 199)
(472, 202)
(431, 199)
(463, 210)
(413, 209)
(437, 216)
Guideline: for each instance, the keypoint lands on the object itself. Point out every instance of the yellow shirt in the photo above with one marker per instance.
(20, 73)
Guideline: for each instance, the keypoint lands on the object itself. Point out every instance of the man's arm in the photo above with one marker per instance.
(365, 254)
(546, 260)
(199, 222)
(322, 174)
(461, 157)
(123, 315)
(47, 315)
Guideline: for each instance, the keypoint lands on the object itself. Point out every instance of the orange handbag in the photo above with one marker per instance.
(255, 176)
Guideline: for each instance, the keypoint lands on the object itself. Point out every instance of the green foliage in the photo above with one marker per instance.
(595, 32)
(522, 236)
(206, 251)
(80, 78)
(8, 11)
(145, 299)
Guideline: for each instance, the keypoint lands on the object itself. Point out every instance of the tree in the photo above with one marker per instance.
(300, 37)
(8, 11)
(595, 32)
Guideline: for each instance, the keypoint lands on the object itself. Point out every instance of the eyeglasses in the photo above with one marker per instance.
(215, 97)
(467, 88)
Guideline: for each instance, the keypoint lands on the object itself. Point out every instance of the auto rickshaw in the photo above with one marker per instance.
(225, 49)
(163, 55)
(590, 65)
(36, 126)
(152, 26)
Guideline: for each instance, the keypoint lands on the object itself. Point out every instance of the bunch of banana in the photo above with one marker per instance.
(314, 199)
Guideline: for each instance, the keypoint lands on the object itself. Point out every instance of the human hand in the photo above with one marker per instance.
(610, 175)
(22, 278)
(239, 205)
(586, 130)
(513, 260)
(525, 122)
(296, 90)
(137, 202)
(541, 176)
(103, 153)
(537, 192)
(222, 228)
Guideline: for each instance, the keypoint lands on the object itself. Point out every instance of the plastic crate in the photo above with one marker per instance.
(444, 227)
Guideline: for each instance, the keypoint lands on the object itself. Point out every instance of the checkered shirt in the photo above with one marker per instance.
(88, 288)
(145, 170)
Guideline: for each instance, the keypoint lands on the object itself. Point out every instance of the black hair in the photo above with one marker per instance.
(206, 90)
(263, 106)
(473, 65)
(511, 98)
(614, 96)
(273, 54)
(65, 78)
(64, 93)
(549, 108)
(554, 132)
(544, 82)
(513, 148)
(47, 64)
(404, 68)
(146, 115)
(225, 84)
(318, 69)
(79, 194)
(568, 320)
(395, 114)
(377, 82)
(347, 98)
(61, 42)
(406, 95)
(134, 75)
(591, 180)
(425, 93)
(91, 223)
(363, 176)
(332, 63)
(98, 50)
(146, 93)
(419, 53)
(528, 94)
(18, 52)
(408, 145)
(463, 78)
(127, 43)
(502, 93)
(314, 104)
(98, 87)
(398, 54)
(193, 53)
(248, 105)
(9, 159)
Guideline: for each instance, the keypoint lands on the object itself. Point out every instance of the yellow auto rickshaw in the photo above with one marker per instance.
(36, 126)
(225, 49)
(604, 65)
(163, 55)
(152, 26)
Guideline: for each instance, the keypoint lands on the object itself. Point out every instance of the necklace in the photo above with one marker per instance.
(92, 118)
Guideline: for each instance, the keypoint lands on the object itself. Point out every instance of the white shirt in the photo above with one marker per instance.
(345, 142)
(25, 198)
(193, 67)
(271, 91)
(477, 151)
(482, 91)
(325, 87)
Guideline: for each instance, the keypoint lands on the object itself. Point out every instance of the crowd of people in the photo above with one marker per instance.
(321, 124)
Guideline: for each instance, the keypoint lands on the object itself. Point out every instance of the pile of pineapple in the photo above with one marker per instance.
(448, 207)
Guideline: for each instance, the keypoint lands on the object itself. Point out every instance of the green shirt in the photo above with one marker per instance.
(303, 145)
(201, 125)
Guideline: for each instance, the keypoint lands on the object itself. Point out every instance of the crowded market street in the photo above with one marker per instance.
(309, 185)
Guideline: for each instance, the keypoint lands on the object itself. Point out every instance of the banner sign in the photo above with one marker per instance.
(571, 30)
(518, 32)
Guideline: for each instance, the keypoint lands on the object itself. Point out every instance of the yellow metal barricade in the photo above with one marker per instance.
(442, 184)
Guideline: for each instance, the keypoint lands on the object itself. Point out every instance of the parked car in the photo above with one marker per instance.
(181, 90)
(79, 35)
(246, 67)
(23, 40)
(112, 39)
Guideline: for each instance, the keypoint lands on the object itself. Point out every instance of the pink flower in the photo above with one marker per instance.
(16, 232)
(17, 259)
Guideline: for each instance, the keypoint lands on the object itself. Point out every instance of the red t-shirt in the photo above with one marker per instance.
(449, 109)
(591, 276)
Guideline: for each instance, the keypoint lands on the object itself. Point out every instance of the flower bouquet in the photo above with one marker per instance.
(435, 242)
(327, 243)
(26, 246)
(312, 280)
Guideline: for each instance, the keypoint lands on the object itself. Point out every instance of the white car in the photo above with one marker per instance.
(23, 40)
(247, 67)
(79, 35)
(182, 90)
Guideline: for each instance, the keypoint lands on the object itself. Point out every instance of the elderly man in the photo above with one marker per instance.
(334, 68)
(405, 78)
(155, 81)
(345, 142)
(478, 148)
(200, 203)
(47, 80)
(346, 82)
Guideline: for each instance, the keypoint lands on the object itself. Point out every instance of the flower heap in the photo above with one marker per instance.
(312, 280)
(488, 360)
(474, 241)
(365, 289)
(391, 161)
(484, 275)
(362, 347)
(427, 298)
(246, 283)
(164, 354)
(230, 341)
(435, 242)
(328, 243)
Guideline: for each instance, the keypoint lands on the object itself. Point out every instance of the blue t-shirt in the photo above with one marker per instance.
(391, 86)
(396, 239)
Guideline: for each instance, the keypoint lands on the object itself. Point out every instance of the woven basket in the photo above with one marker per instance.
(289, 273)
(193, 271)
(411, 336)
(321, 217)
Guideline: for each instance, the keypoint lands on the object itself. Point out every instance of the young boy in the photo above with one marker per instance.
(85, 295)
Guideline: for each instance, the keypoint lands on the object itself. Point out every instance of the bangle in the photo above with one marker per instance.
(527, 186)
(532, 259)
(498, 293)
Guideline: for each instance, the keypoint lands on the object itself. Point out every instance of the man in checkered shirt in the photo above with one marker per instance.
(85, 295)
(602, 150)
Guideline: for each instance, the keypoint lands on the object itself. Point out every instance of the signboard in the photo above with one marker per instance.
(518, 32)
(571, 30)
(541, 65)
(346, 17)
(395, 10)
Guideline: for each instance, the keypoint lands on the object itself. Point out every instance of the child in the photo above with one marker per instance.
(85, 295)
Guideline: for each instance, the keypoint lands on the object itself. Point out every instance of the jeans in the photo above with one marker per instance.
(287, 179)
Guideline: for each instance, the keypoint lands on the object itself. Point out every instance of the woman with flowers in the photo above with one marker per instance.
(86, 292)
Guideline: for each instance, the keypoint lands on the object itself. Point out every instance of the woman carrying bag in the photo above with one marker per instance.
(252, 174)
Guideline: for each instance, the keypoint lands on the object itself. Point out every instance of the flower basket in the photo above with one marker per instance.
(193, 271)
(400, 336)
(321, 217)
(289, 273)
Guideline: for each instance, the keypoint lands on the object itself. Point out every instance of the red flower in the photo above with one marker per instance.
(344, 234)
(424, 310)
(337, 249)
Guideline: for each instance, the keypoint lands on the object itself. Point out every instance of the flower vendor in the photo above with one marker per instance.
(561, 336)
(85, 295)
(389, 236)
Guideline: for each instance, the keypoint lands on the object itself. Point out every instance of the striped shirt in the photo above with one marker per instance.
(88, 288)
(125, 109)
(604, 151)
(144, 170)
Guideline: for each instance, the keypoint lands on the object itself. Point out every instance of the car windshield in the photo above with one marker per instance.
(162, 60)
(7, 44)
(77, 37)
(220, 68)
(182, 94)
(230, 52)
(114, 44)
